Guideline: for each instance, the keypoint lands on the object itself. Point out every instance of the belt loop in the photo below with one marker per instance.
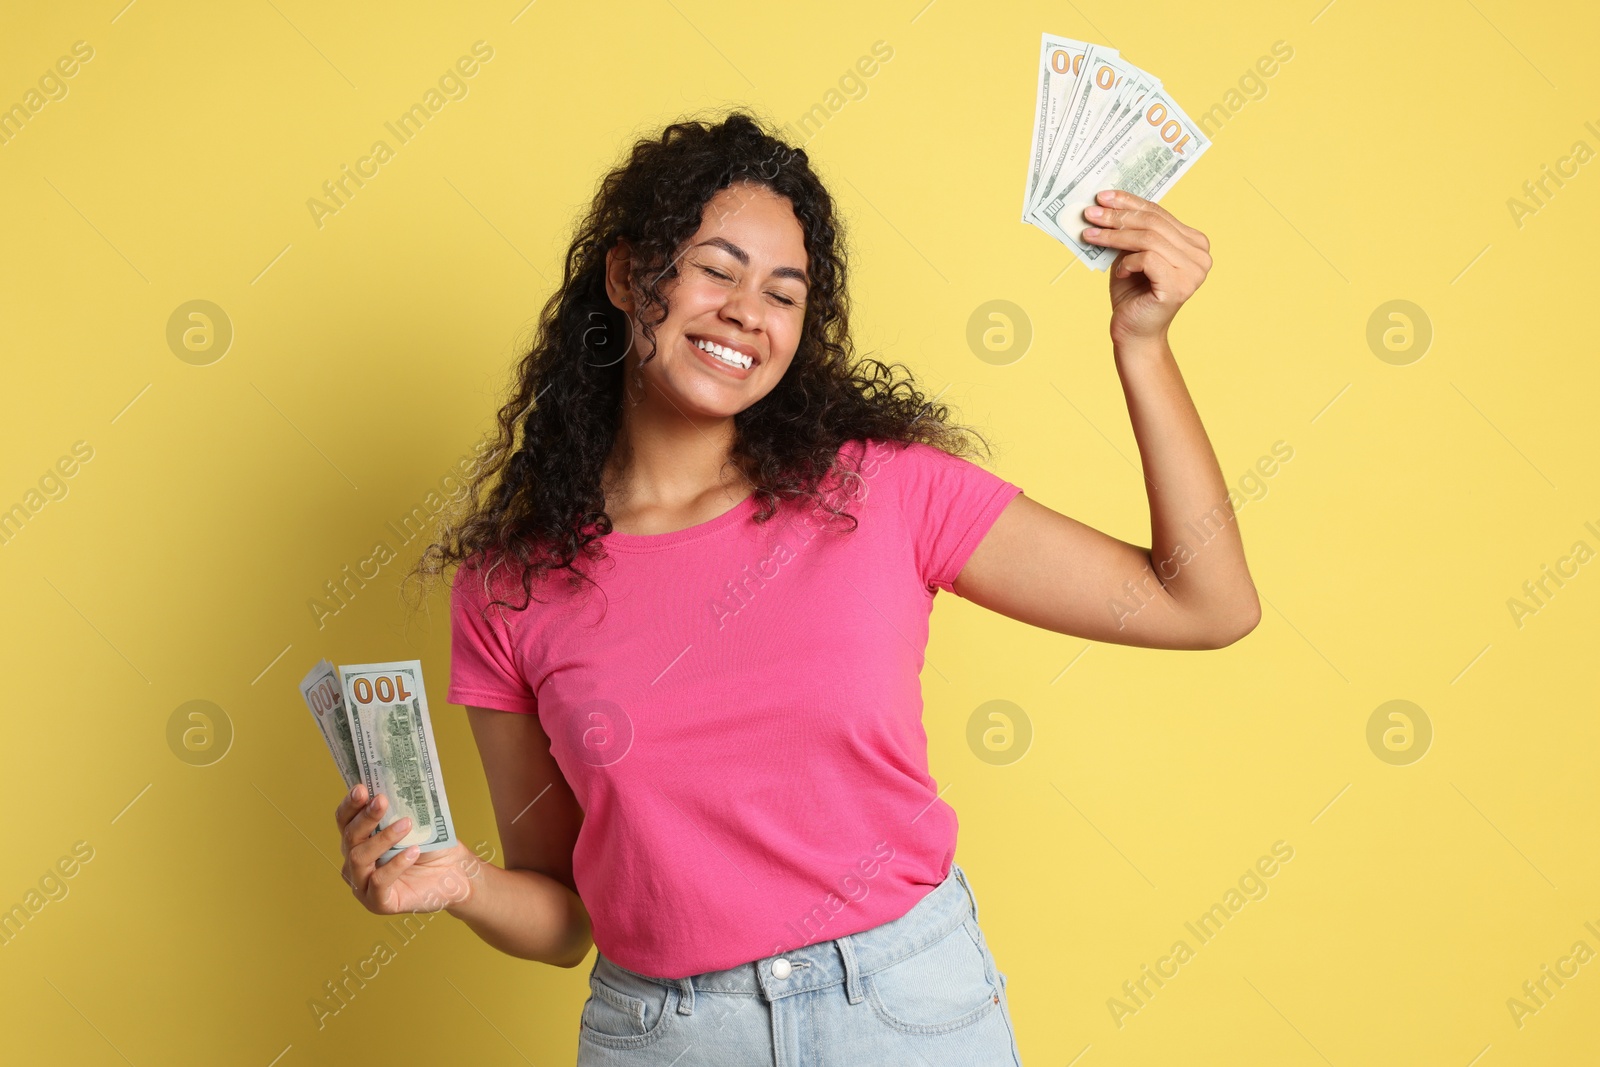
(959, 873)
(686, 1002)
(852, 969)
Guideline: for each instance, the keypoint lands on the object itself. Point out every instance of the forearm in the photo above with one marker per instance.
(526, 914)
(1196, 551)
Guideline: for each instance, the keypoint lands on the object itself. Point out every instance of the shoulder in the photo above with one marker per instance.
(902, 460)
(926, 478)
(903, 474)
(866, 454)
(867, 462)
(906, 468)
(488, 585)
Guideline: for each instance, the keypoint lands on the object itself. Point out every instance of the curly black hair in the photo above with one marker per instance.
(544, 507)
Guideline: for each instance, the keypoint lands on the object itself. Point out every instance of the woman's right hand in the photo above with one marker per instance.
(413, 881)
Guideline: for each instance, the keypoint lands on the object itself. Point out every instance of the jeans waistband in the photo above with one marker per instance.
(844, 959)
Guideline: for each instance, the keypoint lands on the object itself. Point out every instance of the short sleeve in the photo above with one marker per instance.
(484, 666)
(949, 503)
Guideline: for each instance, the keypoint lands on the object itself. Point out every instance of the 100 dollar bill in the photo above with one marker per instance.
(1154, 146)
(1060, 63)
(1093, 97)
(395, 754)
(325, 697)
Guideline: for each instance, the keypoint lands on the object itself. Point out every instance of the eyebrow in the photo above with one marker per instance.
(744, 260)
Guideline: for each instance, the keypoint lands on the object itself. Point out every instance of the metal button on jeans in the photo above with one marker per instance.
(781, 968)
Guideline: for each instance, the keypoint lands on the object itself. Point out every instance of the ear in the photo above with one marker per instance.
(618, 262)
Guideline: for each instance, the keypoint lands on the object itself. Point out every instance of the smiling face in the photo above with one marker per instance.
(734, 312)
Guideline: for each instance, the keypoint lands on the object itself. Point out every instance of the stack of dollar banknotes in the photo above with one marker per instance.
(374, 717)
(1099, 123)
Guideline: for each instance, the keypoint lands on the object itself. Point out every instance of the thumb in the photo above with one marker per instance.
(384, 877)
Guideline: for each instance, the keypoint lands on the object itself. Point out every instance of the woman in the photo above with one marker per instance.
(690, 614)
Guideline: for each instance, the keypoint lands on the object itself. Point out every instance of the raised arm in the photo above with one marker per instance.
(1191, 589)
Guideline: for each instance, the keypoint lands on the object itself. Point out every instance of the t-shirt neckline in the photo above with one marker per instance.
(647, 542)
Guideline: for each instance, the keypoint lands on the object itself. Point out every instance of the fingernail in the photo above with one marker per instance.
(1095, 211)
(403, 824)
(372, 805)
(1092, 231)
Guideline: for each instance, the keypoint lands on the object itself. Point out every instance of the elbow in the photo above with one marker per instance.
(571, 952)
(571, 962)
(580, 936)
(1236, 626)
(1222, 626)
(564, 939)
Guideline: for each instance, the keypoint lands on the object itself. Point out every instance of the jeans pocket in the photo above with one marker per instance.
(624, 1010)
(942, 987)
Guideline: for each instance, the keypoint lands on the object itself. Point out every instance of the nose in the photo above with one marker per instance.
(743, 306)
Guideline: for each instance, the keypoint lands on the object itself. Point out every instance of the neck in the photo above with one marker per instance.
(666, 457)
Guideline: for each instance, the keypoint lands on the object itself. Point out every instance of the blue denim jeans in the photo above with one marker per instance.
(921, 989)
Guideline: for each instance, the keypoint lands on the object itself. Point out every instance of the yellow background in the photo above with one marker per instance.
(369, 354)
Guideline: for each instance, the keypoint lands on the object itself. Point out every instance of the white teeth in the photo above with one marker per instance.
(726, 355)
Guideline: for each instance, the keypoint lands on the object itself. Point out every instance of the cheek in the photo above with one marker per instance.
(690, 298)
(792, 332)
(786, 344)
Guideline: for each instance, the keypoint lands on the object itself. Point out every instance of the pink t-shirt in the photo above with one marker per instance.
(738, 710)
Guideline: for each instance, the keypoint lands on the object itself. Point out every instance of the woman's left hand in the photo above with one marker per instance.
(1161, 263)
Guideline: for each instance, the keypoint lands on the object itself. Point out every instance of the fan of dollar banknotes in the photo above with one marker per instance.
(374, 718)
(1099, 123)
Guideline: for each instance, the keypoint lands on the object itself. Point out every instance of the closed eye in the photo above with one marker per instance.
(786, 301)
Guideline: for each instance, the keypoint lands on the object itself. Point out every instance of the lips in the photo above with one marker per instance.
(728, 342)
(738, 373)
